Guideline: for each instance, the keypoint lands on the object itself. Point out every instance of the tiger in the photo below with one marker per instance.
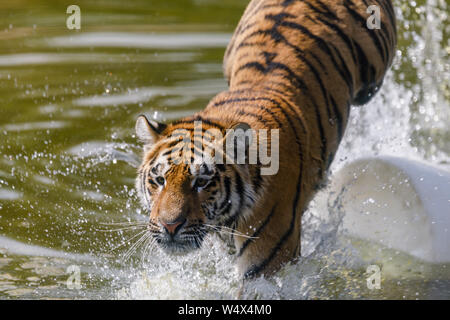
(295, 66)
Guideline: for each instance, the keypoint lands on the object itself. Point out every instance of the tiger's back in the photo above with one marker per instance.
(295, 66)
(321, 40)
(319, 54)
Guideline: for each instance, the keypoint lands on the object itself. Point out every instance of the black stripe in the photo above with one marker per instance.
(391, 14)
(348, 41)
(321, 85)
(383, 36)
(287, 3)
(240, 190)
(363, 64)
(175, 142)
(345, 74)
(384, 31)
(257, 232)
(170, 151)
(329, 14)
(362, 20)
(300, 55)
(152, 161)
(250, 44)
(366, 3)
(144, 189)
(257, 180)
(152, 182)
(374, 34)
(291, 76)
(324, 7)
(318, 117)
(226, 209)
(227, 184)
(367, 75)
(278, 36)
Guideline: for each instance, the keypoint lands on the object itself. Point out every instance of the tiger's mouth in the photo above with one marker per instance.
(183, 242)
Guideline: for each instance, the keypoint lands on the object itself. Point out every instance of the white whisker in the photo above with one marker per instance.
(128, 241)
(227, 231)
(124, 223)
(134, 247)
(122, 229)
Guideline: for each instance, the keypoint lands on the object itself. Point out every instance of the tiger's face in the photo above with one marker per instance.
(185, 200)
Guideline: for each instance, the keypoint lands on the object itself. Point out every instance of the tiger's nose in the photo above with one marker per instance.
(173, 227)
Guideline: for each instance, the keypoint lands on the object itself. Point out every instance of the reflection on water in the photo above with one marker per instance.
(68, 155)
(143, 41)
(23, 59)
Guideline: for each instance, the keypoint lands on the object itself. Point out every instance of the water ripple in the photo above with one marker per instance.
(138, 40)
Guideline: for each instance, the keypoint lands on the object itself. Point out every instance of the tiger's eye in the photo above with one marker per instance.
(160, 180)
(201, 182)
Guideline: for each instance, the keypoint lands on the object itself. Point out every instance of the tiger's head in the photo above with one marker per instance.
(187, 198)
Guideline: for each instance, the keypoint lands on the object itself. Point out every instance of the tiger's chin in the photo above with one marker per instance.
(179, 247)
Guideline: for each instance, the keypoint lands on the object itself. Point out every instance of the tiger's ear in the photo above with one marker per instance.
(148, 131)
(237, 142)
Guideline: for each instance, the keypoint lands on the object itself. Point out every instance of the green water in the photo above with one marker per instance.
(68, 103)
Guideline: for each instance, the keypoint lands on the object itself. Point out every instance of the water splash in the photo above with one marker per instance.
(205, 274)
